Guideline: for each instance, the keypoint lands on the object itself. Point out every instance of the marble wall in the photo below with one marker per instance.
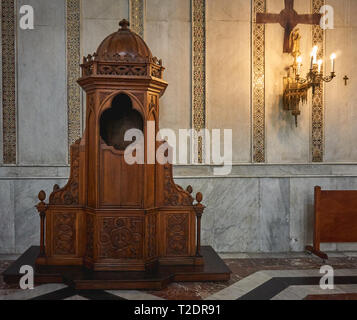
(168, 34)
(41, 86)
(340, 100)
(228, 49)
(284, 142)
(257, 208)
(262, 214)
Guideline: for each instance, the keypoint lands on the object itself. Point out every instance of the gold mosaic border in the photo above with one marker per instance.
(198, 71)
(8, 36)
(137, 12)
(258, 86)
(73, 71)
(317, 144)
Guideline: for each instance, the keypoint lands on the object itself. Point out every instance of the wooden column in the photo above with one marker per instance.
(41, 208)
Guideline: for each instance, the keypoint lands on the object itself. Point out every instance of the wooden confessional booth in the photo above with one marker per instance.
(115, 216)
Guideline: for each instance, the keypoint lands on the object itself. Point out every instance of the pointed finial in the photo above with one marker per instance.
(124, 24)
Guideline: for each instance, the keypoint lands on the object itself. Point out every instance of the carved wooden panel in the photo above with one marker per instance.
(174, 195)
(69, 195)
(64, 233)
(121, 238)
(151, 244)
(90, 236)
(177, 234)
(122, 70)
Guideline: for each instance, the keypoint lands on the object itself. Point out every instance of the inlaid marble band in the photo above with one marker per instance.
(317, 140)
(73, 71)
(8, 32)
(137, 16)
(258, 85)
(198, 72)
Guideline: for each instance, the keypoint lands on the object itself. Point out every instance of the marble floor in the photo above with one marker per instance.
(292, 276)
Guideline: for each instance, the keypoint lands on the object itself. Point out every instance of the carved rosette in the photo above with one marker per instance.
(69, 195)
(177, 234)
(173, 193)
(121, 238)
(64, 233)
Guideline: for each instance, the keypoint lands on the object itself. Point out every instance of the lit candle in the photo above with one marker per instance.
(319, 64)
(299, 61)
(314, 54)
(333, 57)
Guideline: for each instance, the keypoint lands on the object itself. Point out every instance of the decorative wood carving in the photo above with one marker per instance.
(174, 194)
(122, 70)
(151, 245)
(112, 215)
(90, 236)
(177, 234)
(120, 238)
(64, 226)
(103, 96)
(69, 195)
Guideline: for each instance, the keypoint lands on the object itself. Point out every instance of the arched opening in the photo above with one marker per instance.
(115, 121)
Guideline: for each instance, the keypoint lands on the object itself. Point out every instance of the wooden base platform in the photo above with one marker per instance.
(80, 278)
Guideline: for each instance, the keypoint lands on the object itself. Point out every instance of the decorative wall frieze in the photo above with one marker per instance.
(198, 72)
(8, 38)
(137, 16)
(317, 142)
(73, 70)
(258, 85)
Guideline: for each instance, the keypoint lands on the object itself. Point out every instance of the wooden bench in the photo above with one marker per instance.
(335, 219)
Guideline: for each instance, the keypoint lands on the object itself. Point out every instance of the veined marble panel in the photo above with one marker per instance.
(262, 214)
(42, 102)
(274, 215)
(228, 73)
(285, 142)
(231, 220)
(38, 172)
(340, 110)
(7, 218)
(270, 171)
(168, 35)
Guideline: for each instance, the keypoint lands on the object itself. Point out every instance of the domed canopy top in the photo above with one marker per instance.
(123, 44)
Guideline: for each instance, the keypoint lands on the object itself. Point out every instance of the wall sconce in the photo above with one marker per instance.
(296, 87)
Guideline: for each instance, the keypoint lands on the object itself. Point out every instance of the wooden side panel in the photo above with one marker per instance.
(337, 216)
(65, 238)
(178, 236)
(92, 156)
(121, 184)
(131, 184)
